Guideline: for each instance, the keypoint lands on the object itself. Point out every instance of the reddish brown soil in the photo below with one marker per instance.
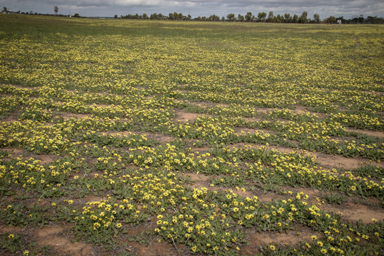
(183, 117)
(370, 133)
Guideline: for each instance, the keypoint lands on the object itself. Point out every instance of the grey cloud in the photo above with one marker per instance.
(200, 7)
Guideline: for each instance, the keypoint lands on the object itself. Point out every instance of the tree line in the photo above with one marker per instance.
(249, 17)
(55, 9)
(260, 17)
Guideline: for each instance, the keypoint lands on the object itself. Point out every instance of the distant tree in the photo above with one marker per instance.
(161, 16)
(145, 16)
(115, 16)
(56, 9)
(279, 18)
(295, 18)
(341, 18)
(189, 17)
(249, 17)
(270, 17)
(171, 16)
(303, 18)
(176, 16)
(231, 17)
(330, 20)
(361, 19)
(76, 15)
(371, 20)
(214, 17)
(5, 10)
(316, 18)
(222, 18)
(240, 18)
(261, 16)
(287, 17)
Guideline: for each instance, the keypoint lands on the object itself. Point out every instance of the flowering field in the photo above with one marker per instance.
(189, 138)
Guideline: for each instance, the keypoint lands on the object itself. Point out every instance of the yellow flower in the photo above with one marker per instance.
(272, 247)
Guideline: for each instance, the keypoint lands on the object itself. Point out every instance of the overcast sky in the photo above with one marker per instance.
(108, 8)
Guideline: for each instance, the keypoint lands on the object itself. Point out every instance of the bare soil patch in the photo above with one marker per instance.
(197, 177)
(11, 117)
(369, 133)
(68, 115)
(208, 104)
(355, 212)
(300, 233)
(119, 133)
(10, 229)
(18, 152)
(357, 43)
(157, 249)
(183, 117)
(265, 110)
(326, 160)
(24, 87)
(244, 131)
(252, 119)
(14, 151)
(299, 109)
(200, 180)
(151, 247)
(334, 161)
(302, 109)
(55, 237)
(159, 137)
